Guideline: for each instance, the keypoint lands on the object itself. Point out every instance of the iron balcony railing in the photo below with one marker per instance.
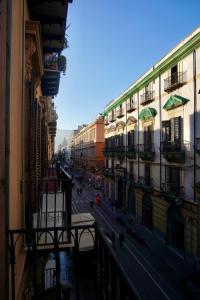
(130, 106)
(146, 152)
(120, 113)
(112, 117)
(172, 191)
(175, 151)
(131, 151)
(174, 81)
(147, 97)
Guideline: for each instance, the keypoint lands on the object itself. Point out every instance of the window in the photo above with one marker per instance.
(147, 174)
(174, 74)
(148, 138)
(171, 133)
(131, 138)
(172, 179)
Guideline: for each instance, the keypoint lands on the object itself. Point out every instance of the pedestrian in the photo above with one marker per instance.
(77, 190)
(113, 238)
(121, 239)
(97, 199)
(80, 191)
(91, 204)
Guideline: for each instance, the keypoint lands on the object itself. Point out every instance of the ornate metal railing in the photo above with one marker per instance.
(119, 112)
(174, 81)
(130, 106)
(173, 192)
(147, 97)
(175, 151)
(146, 152)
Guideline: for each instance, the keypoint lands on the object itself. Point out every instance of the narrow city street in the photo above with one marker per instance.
(147, 260)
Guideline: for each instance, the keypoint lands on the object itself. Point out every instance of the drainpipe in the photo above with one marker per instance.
(7, 134)
(160, 130)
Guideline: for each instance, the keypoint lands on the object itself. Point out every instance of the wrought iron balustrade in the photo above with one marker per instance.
(175, 151)
(145, 183)
(173, 192)
(174, 81)
(146, 152)
(120, 113)
(147, 97)
(131, 106)
(112, 118)
(131, 151)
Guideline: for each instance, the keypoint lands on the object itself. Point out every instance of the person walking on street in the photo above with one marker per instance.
(77, 190)
(97, 199)
(121, 239)
(80, 191)
(113, 238)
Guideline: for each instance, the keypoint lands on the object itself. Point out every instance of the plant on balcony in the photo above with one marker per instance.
(147, 156)
(178, 157)
(62, 63)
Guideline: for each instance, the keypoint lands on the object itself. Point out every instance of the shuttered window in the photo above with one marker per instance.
(147, 138)
(147, 174)
(172, 178)
(131, 138)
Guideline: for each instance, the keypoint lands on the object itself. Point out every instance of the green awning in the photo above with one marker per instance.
(147, 113)
(174, 101)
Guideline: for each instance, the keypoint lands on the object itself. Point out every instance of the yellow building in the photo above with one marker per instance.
(32, 37)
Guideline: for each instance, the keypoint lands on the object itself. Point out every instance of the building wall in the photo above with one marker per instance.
(189, 174)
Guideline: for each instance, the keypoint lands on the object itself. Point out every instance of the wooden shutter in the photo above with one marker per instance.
(147, 174)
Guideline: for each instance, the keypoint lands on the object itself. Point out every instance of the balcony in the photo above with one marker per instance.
(173, 192)
(147, 97)
(146, 152)
(131, 106)
(109, 173)
(145, 183)
(120, 152)
(53, 65)
(120, 113)
(174, 152)
(131, 152)
(175, 81)
(112, 118)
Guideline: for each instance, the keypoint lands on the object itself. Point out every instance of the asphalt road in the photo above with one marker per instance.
(152, 275)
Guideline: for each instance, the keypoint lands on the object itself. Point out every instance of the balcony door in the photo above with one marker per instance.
(174, 74)
(172, 177)
(148, 138)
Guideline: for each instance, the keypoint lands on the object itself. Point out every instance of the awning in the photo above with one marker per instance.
(174, 101)
(147, 113)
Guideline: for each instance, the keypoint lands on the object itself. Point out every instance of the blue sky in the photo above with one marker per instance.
(112, 43)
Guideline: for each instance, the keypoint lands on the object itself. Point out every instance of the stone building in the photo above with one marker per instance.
(152, 138)
(86, 150)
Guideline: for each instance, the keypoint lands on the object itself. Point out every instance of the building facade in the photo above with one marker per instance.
(32, 35)
(151, 150)
(86, 151)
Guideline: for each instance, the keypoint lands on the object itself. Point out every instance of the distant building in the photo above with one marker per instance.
(86, 150)
(152, 146)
